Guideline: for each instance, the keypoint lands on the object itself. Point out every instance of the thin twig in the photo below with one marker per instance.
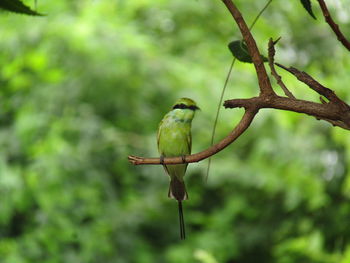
(273, 70)
(333, 25)
(342, 110)
(315, 85)
(238, 130)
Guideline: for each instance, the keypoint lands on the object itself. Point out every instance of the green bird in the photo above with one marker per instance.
(174, 139)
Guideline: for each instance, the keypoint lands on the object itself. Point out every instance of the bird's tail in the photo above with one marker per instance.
(182, 221)
(177, 190)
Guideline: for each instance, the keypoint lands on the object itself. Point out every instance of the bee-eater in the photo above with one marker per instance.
(174, 139)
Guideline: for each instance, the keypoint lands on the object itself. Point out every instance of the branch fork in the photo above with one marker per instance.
(335, 111)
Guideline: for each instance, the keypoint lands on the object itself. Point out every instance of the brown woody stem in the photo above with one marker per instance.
(240, 128)
(263, 79)
(328, 18)
(336, 111)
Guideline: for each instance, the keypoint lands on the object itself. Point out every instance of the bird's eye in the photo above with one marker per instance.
(180, 106)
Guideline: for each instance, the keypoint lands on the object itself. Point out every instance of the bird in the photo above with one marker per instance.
(175, 139)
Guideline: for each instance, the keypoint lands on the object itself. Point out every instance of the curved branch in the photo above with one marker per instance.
(336, 111)
(333, 25)
(264, 81)
(240, 128)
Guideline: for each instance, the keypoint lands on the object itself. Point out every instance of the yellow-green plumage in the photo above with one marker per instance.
(174, 139)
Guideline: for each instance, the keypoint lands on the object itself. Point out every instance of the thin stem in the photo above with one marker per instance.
(260, 13)
(218, 112)
(225, 86)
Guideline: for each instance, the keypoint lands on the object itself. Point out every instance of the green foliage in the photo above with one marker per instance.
(240, 51)
(308, 7)
(17, 6)
(86, 86)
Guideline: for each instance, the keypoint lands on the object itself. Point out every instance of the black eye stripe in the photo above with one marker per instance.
(180, 106)
(183, 106)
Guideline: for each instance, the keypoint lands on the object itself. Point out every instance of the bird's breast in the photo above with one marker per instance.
(174, 139)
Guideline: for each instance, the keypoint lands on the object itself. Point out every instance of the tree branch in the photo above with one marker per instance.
(240, 128)
(311, 82)
(343, 108)
(272, 52)
(336, 111)
(264, 82)
(326, 112)
(333, 25)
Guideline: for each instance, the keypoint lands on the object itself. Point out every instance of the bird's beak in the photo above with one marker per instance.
(197, 108)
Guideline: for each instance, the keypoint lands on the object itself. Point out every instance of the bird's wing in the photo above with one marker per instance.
(160, 126)
(158, 134)
(189, 142)
(158, 139)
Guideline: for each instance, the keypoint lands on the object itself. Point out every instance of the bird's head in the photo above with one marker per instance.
(185, 108)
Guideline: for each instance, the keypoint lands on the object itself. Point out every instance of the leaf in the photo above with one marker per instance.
(307, 5)
(16, 6)
(240, 51)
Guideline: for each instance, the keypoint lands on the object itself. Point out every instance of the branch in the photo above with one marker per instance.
(343, 108)
(273, 70)
(264, 82)
(321, 111)
(336, 111)
(240, 128)
(311, 82)
(333, 25)
(265, 90)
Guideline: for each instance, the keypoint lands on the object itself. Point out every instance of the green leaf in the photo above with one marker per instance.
(240, 51)
(16, 6)
(307, 5)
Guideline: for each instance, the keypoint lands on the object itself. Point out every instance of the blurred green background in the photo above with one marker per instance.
(86, 85)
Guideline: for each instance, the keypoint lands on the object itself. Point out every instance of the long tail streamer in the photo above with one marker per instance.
(182, 221)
